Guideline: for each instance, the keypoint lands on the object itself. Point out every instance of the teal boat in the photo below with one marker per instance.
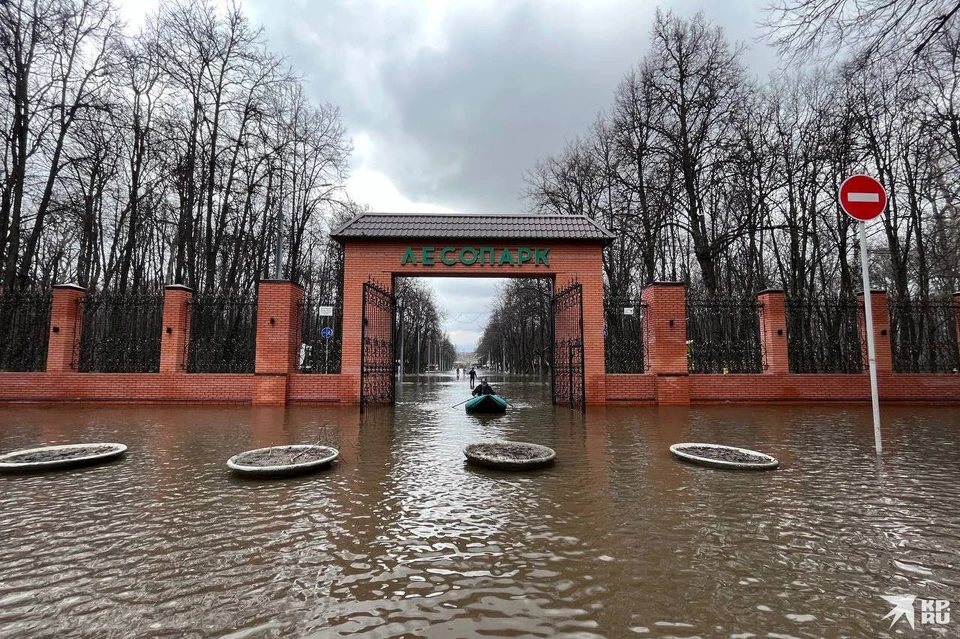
(487, 404)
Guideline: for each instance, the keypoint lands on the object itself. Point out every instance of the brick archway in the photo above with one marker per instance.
(382, 247)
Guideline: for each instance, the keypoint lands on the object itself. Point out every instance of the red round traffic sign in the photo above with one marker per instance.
(862, 197)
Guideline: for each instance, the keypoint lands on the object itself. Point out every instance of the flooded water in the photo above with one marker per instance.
(401, 539)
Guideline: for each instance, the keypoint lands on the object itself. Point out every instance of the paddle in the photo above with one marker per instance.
(463, 402)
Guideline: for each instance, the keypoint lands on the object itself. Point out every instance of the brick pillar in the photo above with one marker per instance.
(175, 340)
(881, 332)
(359, 265)
(594, 364)
(773, 331)
(65, 317)
(278, 340)
(665, 339)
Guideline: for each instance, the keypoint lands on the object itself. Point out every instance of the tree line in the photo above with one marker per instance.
(173, 154)
(710, 176)
(729, 183)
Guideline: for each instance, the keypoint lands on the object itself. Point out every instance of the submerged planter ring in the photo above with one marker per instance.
(57, 457)
(719, 456)
(282, 461)
(505, 455)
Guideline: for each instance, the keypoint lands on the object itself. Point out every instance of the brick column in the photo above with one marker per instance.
(881, 332)
(175, 340)
(359, 265)
(665, 339)
(278, 340)
(594, 364)
(65, 318)
(773, 331)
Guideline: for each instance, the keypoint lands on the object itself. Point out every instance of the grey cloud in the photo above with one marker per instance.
(459, 124)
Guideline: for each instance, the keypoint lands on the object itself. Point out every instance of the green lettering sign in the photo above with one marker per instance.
(470, 255)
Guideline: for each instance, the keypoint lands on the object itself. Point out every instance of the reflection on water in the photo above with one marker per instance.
(400, 538)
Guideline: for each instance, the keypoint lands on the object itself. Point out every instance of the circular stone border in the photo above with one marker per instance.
(283, 470)
(764, 461)
(474, 455)
(8, 465)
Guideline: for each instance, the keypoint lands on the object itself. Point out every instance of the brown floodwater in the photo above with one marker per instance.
(400, 538)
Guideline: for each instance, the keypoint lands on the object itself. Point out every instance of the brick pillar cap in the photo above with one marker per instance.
(73, 286)
(875, 291)
(177, 287)
(957, 294)
(271, 281)
(770, 290)
(665, 284)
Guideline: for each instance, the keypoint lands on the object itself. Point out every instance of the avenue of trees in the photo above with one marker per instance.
(131, 160)
(420, 340)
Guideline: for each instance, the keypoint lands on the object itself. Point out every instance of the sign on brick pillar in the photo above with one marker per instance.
(665, 338)
(174, 343)
(65, 319)
(278, 340)
(881, 331)
(773, 331)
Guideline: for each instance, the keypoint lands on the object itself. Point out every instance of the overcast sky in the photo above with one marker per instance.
(449, 102)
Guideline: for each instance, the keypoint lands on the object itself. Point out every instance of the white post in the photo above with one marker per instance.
(871, 351)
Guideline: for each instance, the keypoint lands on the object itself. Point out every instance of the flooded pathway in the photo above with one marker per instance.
(400, 538)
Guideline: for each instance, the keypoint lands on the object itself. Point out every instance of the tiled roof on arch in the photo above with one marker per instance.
(481, 227)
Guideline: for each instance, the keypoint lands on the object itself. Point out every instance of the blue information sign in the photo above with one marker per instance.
(326, 332)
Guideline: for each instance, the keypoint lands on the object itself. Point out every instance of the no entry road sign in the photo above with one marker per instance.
(862, 197)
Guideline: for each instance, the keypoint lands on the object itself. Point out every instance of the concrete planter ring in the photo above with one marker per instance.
(282, 461)
(506, 455)
(718, 456)
(59, 457)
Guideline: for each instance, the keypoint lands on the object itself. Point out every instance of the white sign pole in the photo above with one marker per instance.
(871, 351)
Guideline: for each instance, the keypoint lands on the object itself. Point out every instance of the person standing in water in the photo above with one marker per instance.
(458, 371)
(473, 376)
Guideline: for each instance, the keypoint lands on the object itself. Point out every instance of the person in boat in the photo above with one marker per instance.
(484, 388)
(473, 376)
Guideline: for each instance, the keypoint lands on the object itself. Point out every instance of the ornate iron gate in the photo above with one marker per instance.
(377, 360)
(568, 386)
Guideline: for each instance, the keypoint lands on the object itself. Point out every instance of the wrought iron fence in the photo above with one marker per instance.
(24, 330)
(823, 336)
(223, 335)
(923, 335)
(120, 333)
(623, 336)
(321, 340)
(723, 335)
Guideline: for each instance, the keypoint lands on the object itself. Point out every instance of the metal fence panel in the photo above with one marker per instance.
(223, 335)
(120, 333)
(823, 336)
(24, 330)
(923, 336)
(318, 352)
(723, 335)
(624, 350)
